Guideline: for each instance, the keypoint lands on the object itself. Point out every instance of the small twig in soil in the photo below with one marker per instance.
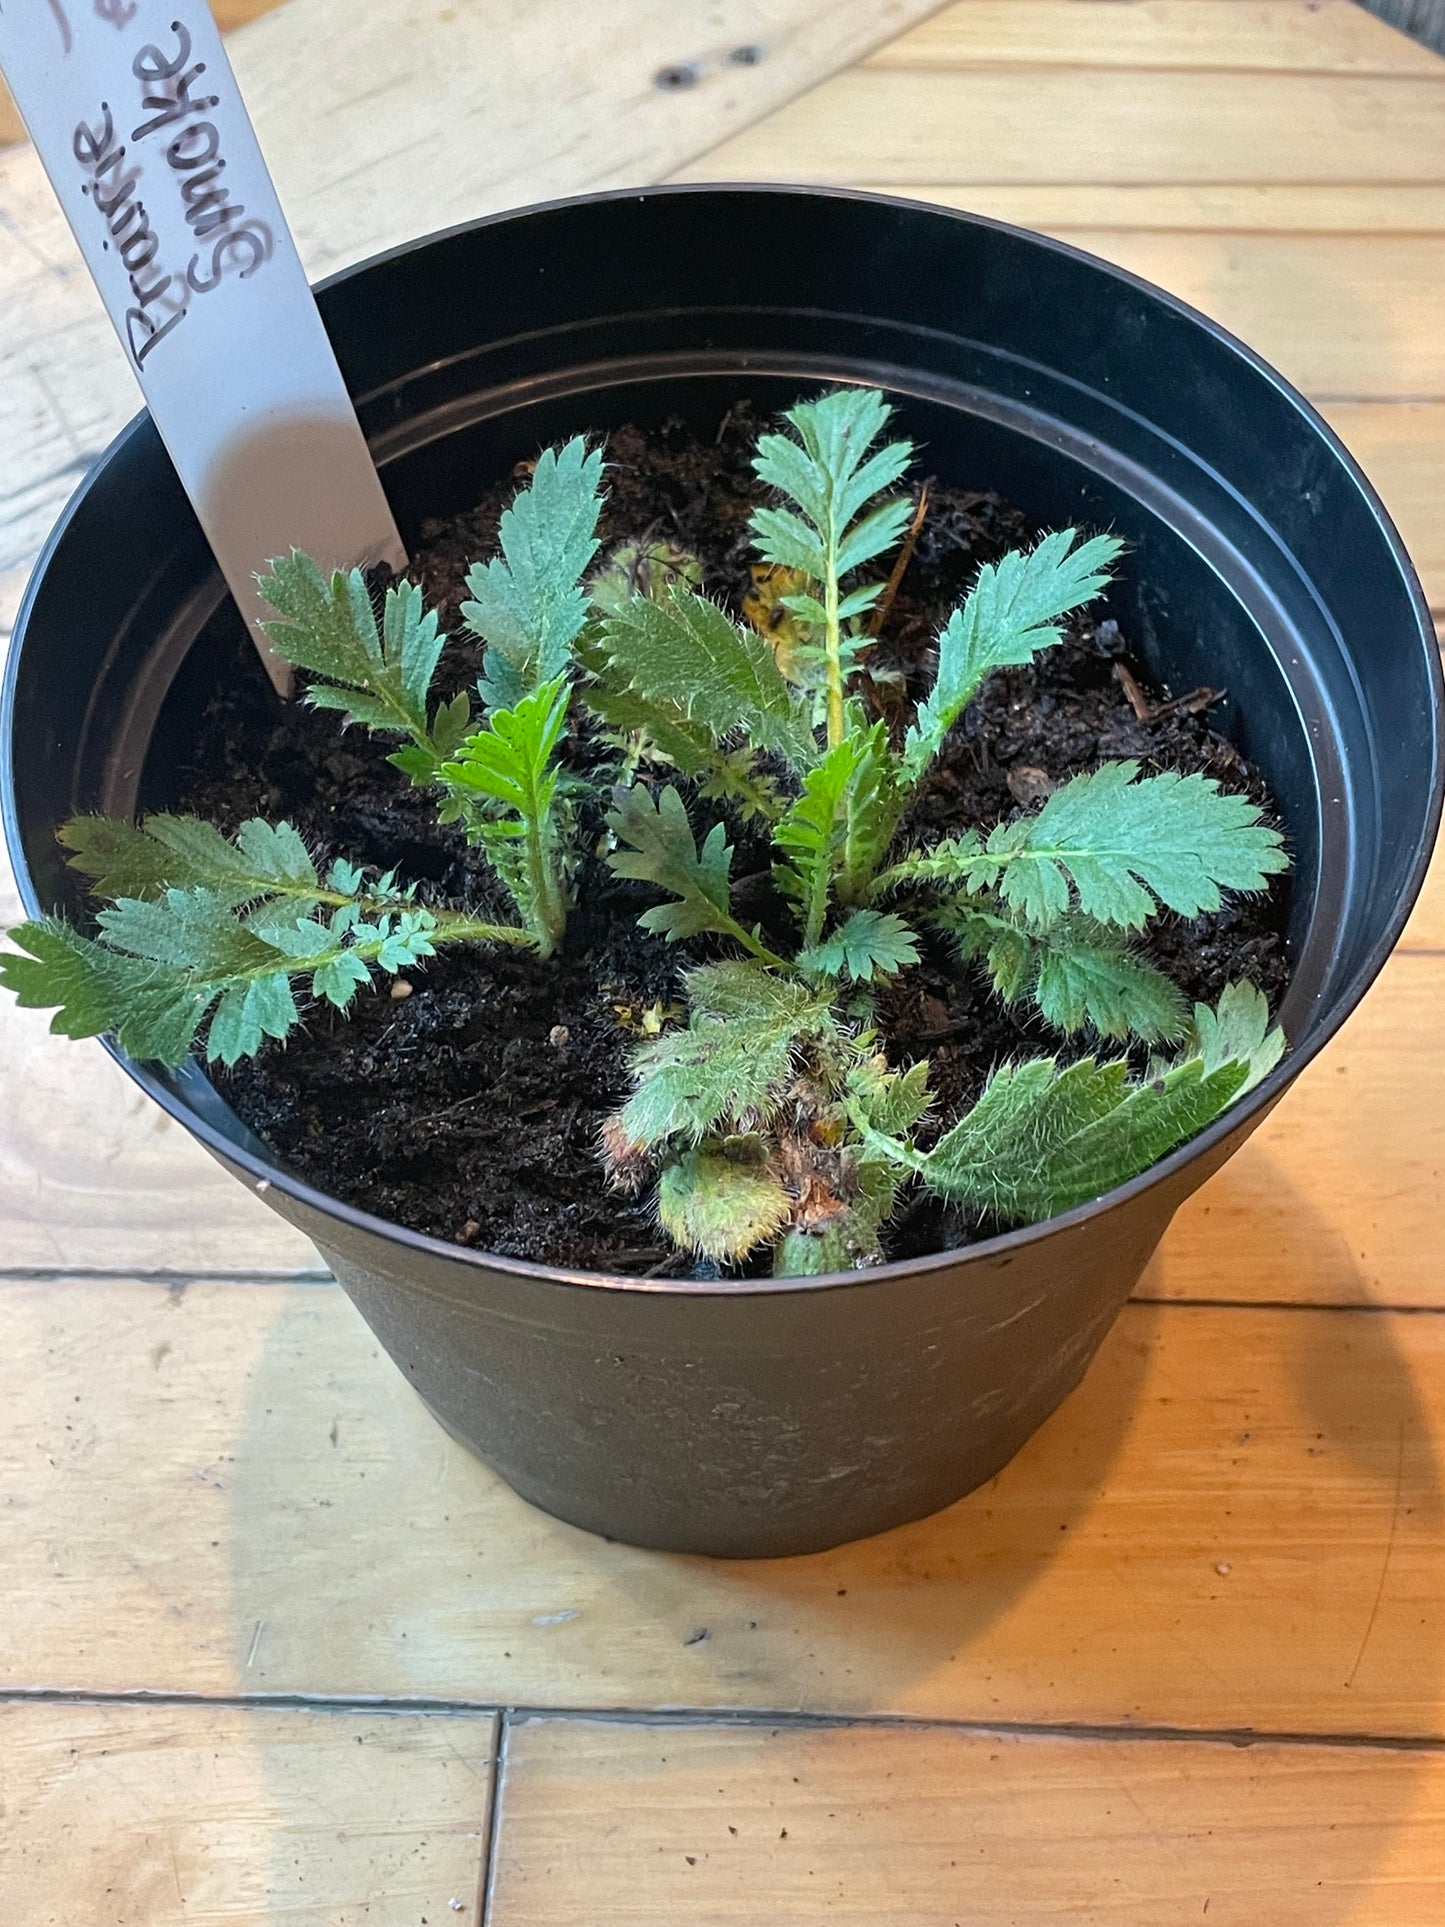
(884, 603)
(1194, 704)
(1128, 682)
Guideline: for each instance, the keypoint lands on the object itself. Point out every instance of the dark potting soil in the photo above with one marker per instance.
(466, 1101)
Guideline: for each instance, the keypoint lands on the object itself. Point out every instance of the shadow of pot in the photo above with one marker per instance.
(772, 1418)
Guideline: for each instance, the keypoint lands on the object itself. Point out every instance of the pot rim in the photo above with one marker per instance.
(266, 1173)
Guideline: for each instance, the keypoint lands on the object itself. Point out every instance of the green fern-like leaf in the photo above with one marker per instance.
(952, 862)
(810, 835)
(829, 477)
(1238, 1030)
(670, 735)
(656, 846)
(1012, 612)
(1123, 843)
(528, 604)
(867, 944)
(890, 1101)
(121, 859)
(1042, 1140)
(731, 1062)
(872, 805)
(687, 655)
(163, 965)
(202, 928)
(326, 625)
(92, 990)
(509, 767)
(1078, 972)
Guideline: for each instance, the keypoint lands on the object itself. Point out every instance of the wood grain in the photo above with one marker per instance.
(439, 113)
(1292, 36)
(1236, 1522)
(229, 15)
(1336, 1198)
(1401, 447)
(147, 1816)
(1341, 315)
(1069, 207)
(1103, 124)
(94, 1175)
(726, 1827)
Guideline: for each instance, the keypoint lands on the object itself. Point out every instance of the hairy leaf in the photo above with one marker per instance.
(891, 1101)
(658, 848)
(687, 654)
(1012, 612)
(720, 1206)
(1238, 1030)
(733, 1059)
(1042, 1140)
(327, 626)
(953, 860)
(830, 478)
(1122, 843)
(669, 733)
(528, 604)
(810, 833)
(121, 859)
(94, 990)
(868, 944)
(509, 765)
(872, 806)
(163, 964)
(828, 473)
(509, 760)
(1077, 971)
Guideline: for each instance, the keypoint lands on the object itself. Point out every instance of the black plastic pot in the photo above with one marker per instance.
(778, 1418)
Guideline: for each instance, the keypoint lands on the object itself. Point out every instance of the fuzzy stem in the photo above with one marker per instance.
(760, 950)
(833, 646)
(545, 891)
(450, 927)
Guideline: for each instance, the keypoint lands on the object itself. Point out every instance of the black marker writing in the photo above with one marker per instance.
(193, 153)
(159, 302)
(67, 38)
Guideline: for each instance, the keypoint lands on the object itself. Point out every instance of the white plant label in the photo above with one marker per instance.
(137, 118)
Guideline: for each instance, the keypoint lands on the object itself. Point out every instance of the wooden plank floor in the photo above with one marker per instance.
(264, 1629)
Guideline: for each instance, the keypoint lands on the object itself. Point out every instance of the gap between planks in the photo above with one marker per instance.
(685, 1718)
(938, 1829)
(1260, 1493)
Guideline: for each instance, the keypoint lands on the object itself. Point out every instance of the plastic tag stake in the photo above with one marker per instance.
(138, 121)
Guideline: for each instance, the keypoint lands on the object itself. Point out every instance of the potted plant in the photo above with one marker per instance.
(764, 785)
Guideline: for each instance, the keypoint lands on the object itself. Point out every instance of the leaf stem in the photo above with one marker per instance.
(732, 928)
(544, 890)
(832, 643)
